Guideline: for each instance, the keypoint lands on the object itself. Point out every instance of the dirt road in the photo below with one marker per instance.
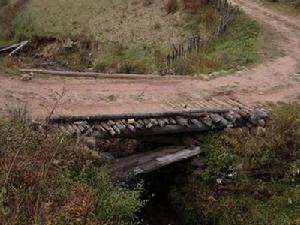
(275, 80)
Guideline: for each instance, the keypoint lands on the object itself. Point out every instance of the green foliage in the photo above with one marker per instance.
(237, 47)
(126, 60)
(217, 157)
(115, 204)
(266, 167)
(45, 178)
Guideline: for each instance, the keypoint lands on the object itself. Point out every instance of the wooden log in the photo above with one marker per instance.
(75, 127)
(207, 121)
(161, 122)
(137, 125)
(229, 117)
(131, 127)
(169, 130)
(215, 118)
(116, 129)
(197, 123)
(148, 123)
(99, 128)
(190, 113)
(70, 129)
(182, 121)
(121, 125)
(154, 122)
(110, 123)
(120, 169)
(95, 75)
(172, 121)
(13, 49)
(166, 121)
(21, 45)
(141, 122)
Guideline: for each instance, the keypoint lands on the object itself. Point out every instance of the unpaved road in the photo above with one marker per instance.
(271, 81)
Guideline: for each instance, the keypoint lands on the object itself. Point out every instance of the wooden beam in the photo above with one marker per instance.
(167, 130)
(124, 168)
(102, 75)
(190, 114)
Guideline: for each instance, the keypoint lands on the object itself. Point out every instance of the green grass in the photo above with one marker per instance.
(135, 38)
(127, 22)
(245, 43)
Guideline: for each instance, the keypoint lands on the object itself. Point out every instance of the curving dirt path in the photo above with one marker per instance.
(272, 81)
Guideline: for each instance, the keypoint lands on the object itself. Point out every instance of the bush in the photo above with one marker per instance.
(171, 6)
(46, 178)
(264, 168)
(194, 5)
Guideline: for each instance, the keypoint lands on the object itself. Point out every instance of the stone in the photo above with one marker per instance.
(26, 77)
(131, 121)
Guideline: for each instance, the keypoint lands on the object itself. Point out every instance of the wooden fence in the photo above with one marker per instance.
(193, 43)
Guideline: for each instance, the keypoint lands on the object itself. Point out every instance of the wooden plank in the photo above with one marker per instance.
(150, 161)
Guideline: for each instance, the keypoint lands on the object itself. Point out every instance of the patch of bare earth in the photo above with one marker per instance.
(272, 81)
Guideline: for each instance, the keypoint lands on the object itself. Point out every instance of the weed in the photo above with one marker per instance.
(46, 178)
(236, 47)
(19, 113)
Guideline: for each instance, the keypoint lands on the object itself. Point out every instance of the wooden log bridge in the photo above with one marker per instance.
(159, 127)
(138, 125)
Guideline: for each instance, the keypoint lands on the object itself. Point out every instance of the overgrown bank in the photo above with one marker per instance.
(46, 178)
(247, 178)
(242, 177)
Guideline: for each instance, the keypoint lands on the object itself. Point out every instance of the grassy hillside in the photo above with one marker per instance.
(130, 36)
(129, 22)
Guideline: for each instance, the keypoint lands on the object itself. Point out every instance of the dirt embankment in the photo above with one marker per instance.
(275, 80)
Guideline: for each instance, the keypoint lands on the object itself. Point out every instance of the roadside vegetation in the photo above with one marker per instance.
(291, 7)
(130, 36)
(250, 179)
(239, 46)
(46, 178)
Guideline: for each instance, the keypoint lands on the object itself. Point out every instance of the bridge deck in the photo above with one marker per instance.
(134, 125)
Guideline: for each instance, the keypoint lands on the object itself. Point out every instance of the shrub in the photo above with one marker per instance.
(171, 6)
(265, 166)
(46, 178)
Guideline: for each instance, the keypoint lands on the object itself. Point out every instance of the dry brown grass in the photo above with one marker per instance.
(194, 5)
(171, 6)
(46, 178)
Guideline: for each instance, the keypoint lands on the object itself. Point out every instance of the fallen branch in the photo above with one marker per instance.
(21, 45)
(97, 75)
(13, 49)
